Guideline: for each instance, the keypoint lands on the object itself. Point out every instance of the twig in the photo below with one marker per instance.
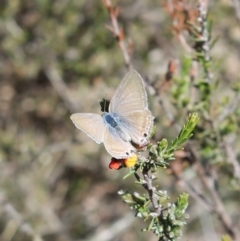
(118, 33)
(151, 192)
(150, 189)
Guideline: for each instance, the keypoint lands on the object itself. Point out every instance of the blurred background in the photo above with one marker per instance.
(57, 58)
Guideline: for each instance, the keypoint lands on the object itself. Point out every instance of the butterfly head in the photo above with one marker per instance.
(104, 104)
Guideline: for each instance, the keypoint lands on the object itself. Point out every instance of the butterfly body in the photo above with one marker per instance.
(114, 123)
(128, 120)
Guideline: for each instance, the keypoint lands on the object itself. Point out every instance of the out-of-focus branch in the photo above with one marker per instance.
(228, 110)
(184, 43)
(236, 5)
(113, 230)
(193, 90)
(22, 225)
(218, 207)
(117, 31)
(214, 204)
(232, 158)
(157, 93)
(191, 190)
(58, 84)
(173, 9)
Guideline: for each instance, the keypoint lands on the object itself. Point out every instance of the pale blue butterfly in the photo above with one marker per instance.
(128, 121)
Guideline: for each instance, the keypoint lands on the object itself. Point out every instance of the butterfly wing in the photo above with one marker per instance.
(92, 124)
(130, 104)
(116, 146)
(138, 125)
(130, 95)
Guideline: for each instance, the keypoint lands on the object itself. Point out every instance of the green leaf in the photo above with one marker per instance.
(185, 133)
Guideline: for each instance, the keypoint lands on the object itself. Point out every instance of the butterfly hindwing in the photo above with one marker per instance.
(138, 125)
(116, 146)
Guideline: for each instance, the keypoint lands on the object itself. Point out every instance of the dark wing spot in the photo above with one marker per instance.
(127, 153)
(145, 134)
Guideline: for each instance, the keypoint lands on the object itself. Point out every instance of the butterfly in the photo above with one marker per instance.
(128, 120)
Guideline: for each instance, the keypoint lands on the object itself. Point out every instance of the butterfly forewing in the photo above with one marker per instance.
(130, 95)
(91, 124)
(130, 104)
(116, 146)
